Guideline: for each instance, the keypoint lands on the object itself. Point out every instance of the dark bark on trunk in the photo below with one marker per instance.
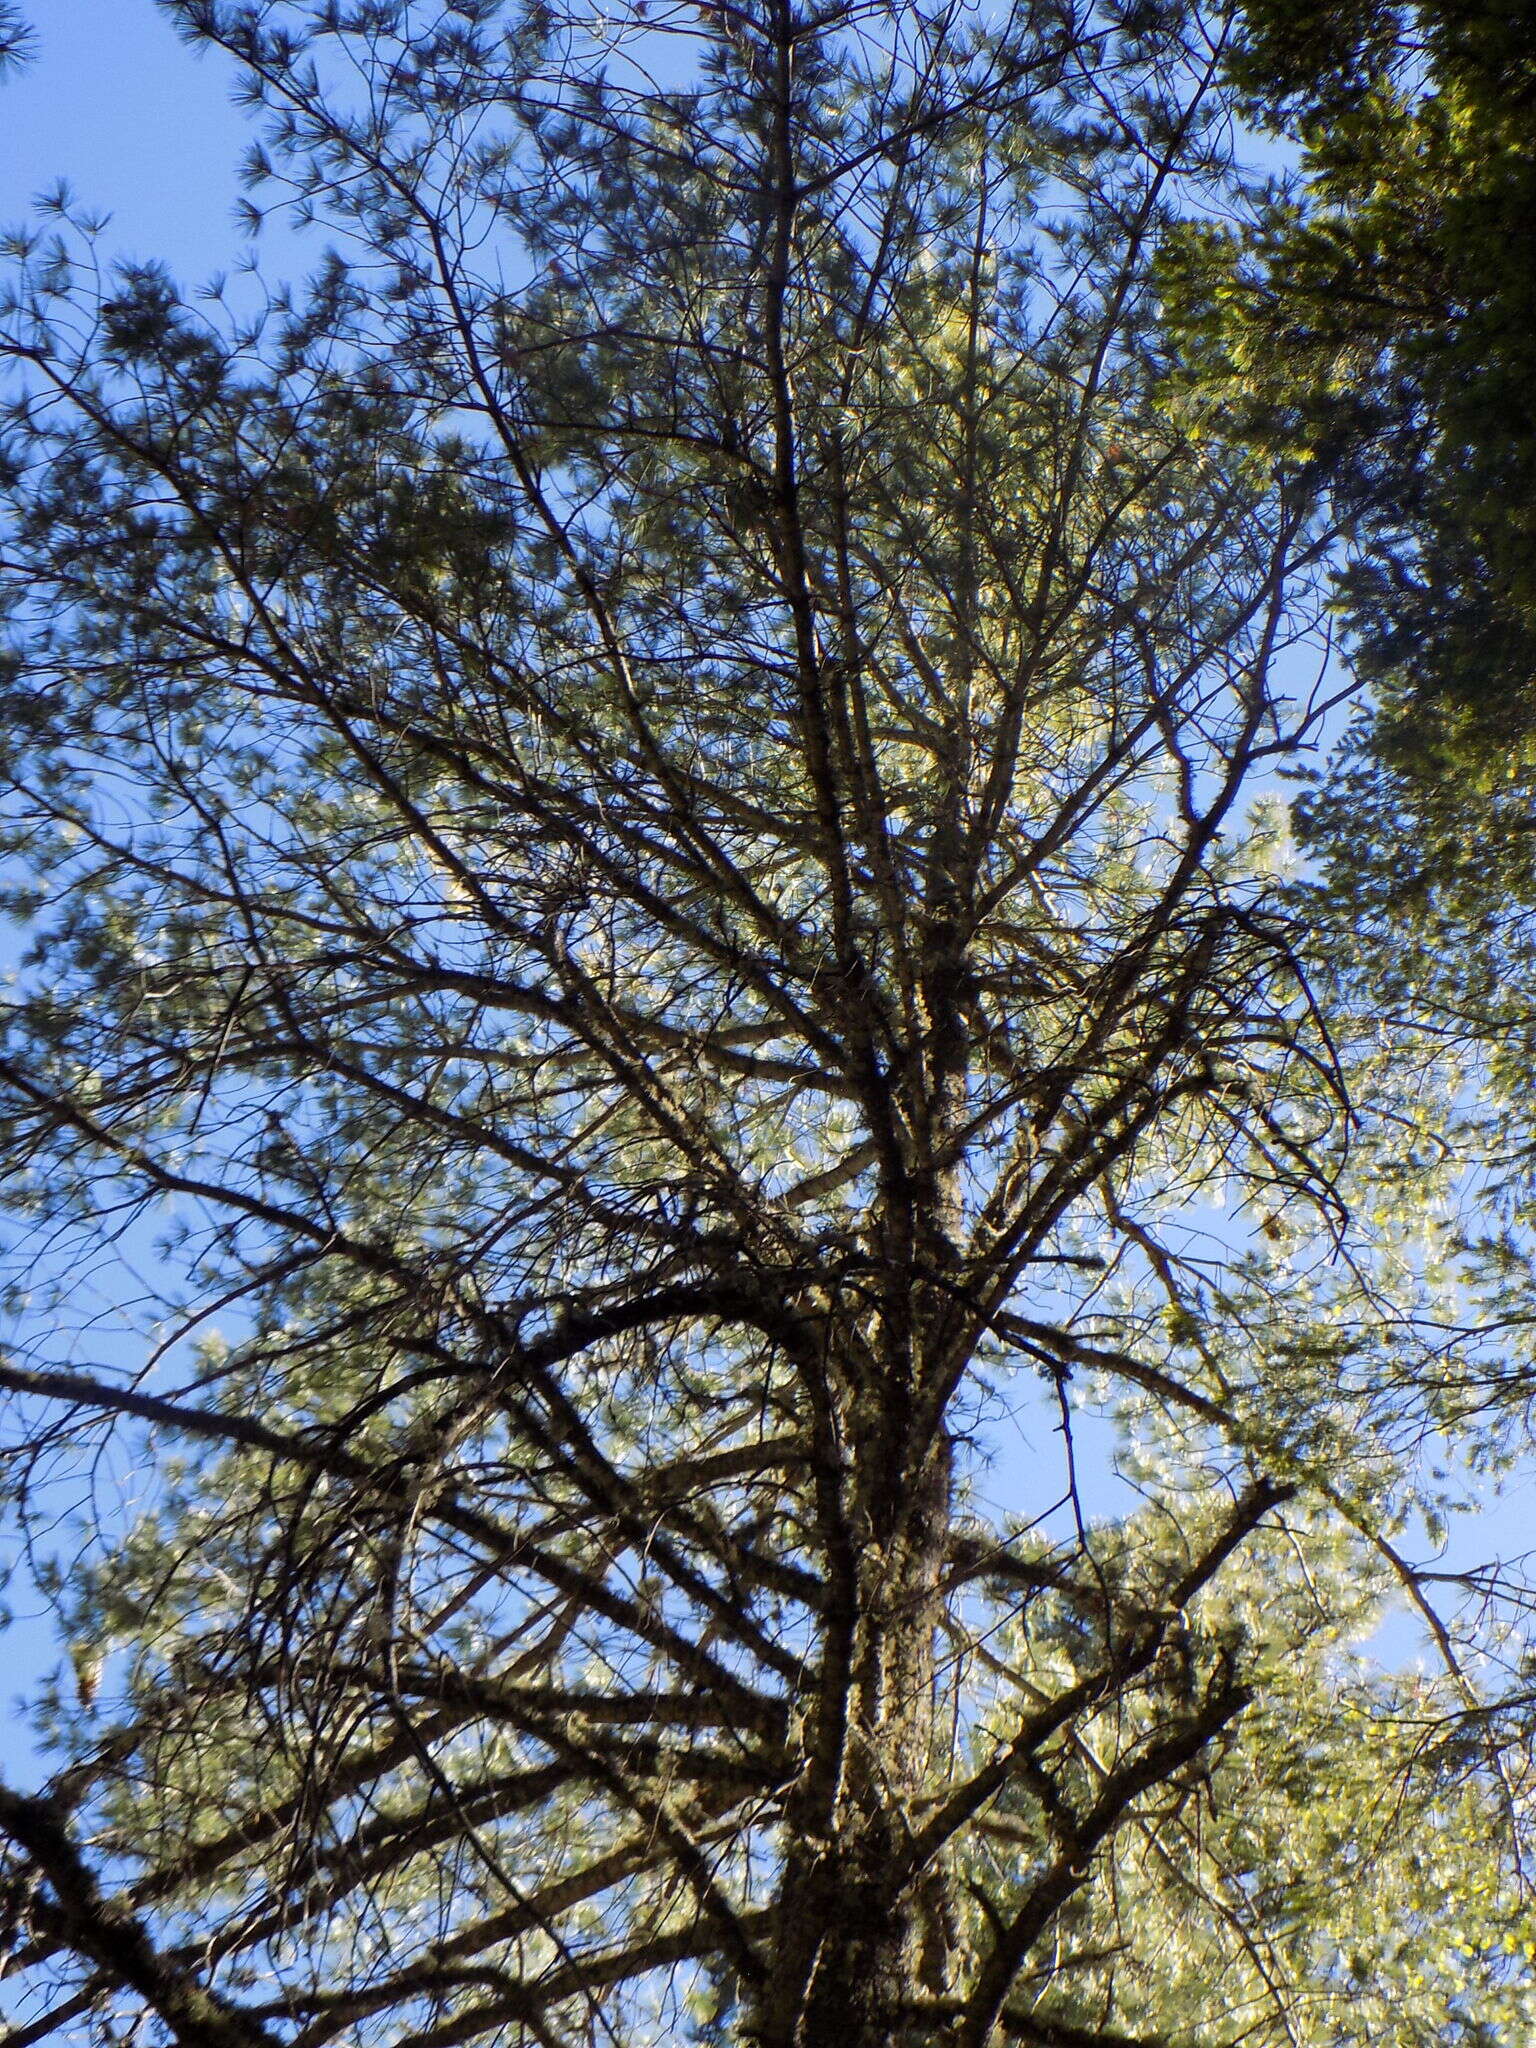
(854, 1939)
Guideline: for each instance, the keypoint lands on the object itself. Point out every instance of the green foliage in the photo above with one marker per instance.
(655, 907)
(1380, 334)
(1325, 1879)
(1392, 303)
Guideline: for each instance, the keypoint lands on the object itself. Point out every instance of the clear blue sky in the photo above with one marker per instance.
(139, 125)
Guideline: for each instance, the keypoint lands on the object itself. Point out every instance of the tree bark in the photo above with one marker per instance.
(853, 1934)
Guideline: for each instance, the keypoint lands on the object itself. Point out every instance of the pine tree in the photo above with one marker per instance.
(645, 819)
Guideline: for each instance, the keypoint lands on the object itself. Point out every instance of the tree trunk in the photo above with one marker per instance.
(856, 1938)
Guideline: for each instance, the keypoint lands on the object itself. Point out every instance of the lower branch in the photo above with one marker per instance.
(103, 1932)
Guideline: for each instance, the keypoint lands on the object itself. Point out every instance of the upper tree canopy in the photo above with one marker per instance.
(647, 827)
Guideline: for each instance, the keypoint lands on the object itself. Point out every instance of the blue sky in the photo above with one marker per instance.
(138, 124)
